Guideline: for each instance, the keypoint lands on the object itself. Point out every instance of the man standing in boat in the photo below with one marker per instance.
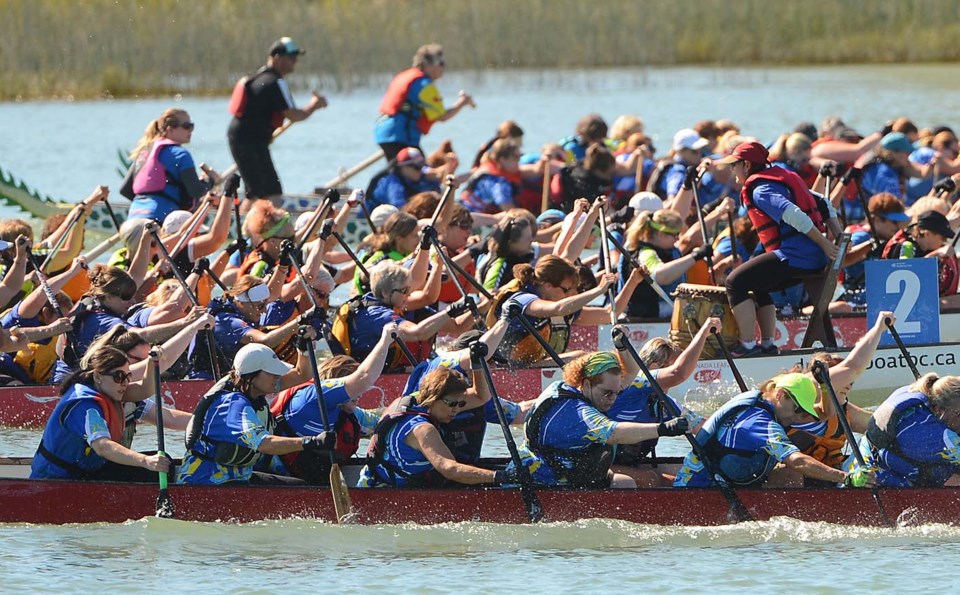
(412, 104)
(259, 105)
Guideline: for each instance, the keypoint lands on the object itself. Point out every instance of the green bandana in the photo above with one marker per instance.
(600, 362)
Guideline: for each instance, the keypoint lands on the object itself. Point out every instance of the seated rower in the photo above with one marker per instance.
(745, 438)
(234, 326)
(548, 298)
(639, 403)
(83, 437)
(232, 427)
(359, 322)
(464, 434)
(407, 450)
(824, 439)
(297, 411)
(928, 237)
(913, 437)
(569, 440)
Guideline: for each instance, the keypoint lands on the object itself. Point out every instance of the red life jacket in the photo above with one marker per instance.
(395, 99)
(151, 176)
(241, 94)
(768, 230)
(346, 426)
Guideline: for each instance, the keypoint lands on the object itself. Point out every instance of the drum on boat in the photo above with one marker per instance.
(693, 305)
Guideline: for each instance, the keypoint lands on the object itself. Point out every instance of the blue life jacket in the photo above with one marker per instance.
(738, 467)
(882, 433)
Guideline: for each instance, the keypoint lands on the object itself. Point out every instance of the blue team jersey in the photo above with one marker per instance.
(233, 419)
(571, 424)
(796, 248)
(410, 461)
(753, 429)
(75, 424)
(303, 411)
(175, 159)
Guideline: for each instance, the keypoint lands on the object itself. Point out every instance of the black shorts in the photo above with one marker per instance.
(256, 168)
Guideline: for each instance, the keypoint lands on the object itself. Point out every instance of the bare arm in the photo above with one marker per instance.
(545, 308)
(420, 298)
(13, 280)
(207, 243)
(628, 432)
(686, 362)
(579, 238)
(37, 299)
(810, 467)
(844, 374)
(424, 329)
(596, 315)
(426, 439)
(372, 366)
(117, 453)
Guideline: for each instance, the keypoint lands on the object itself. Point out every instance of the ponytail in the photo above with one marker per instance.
(156, 129)
(523, 273)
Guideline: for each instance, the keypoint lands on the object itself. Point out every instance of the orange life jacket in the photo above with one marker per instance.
(395, 99)
(828, 449)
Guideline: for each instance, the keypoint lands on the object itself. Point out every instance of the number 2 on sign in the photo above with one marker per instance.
(908, 298)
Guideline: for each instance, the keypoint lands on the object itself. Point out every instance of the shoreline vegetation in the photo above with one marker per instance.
(126, 48)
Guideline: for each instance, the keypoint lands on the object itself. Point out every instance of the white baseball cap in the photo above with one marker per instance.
(177, 219)
(381, 214)
(646, 201)
(302, 220)
(256, 357)
(688, 138)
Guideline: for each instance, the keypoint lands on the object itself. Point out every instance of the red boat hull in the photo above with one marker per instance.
(32, 501)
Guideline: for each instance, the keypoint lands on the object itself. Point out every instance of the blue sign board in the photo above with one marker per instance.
(910, 289)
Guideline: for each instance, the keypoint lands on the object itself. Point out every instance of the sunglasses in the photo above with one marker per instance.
(464, 225)
(119, 376)
(404, 290)
(185, 125)
(455, 404)
(567, 289)
(321, 295)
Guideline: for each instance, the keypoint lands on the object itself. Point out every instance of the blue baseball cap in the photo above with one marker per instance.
(550, 216)
(896, 142)
(285, 47)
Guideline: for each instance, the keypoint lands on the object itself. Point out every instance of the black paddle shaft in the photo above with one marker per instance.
(164, 503)
(152, 229)
(726, 355)
(822, 375)
(528, 493)
(903, 348)
(327, 229)
(54, 302)
(703, 227)
(739, 511)
(514, 311)
(448, 262)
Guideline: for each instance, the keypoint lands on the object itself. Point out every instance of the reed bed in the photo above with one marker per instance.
(85, 48)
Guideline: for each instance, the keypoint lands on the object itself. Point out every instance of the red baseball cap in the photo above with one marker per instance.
(751, 151)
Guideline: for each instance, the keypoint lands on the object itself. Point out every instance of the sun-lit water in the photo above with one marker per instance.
(65, 149)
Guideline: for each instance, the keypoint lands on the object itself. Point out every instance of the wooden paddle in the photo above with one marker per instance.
(822, 375)
(531, 502)
(342, 505)
(738, 510)
(164, 503)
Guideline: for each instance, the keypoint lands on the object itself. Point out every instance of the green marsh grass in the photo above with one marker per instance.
(90, 48)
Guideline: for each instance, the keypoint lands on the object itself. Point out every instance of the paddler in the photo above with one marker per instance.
(914, 436)
(407, 449)
(83, 437)
(746, 438)
(788, 219)
(570, 440)
(412, 103)
(232, 427)
(297, 410)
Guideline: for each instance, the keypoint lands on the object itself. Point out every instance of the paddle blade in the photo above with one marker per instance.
(342, 505)
(165, 506)
(532, 503)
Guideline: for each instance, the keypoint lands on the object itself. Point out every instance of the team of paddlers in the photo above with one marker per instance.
(720, 209)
